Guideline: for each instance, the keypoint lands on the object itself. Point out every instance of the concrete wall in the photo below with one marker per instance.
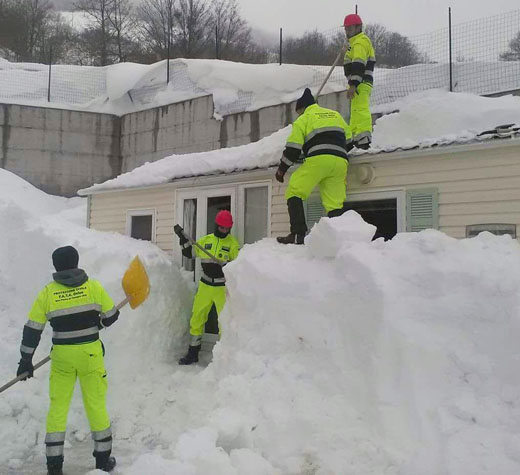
(59, 151)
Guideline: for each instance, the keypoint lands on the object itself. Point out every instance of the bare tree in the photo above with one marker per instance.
(124, 25)
(192, 28)
(308, 49)
(156, 17)
(232, 35)
(101, 30)
(28, 28)
(514, 50)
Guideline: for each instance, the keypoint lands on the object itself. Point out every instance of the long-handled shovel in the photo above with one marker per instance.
(180, 232)
(331, 69)
(136, 285)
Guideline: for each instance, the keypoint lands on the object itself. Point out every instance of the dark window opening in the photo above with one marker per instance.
(141, 227)
(381, 213)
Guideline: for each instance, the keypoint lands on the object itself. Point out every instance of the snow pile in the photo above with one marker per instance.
(423, 119)
(34, 224)
(394, 357)
(437, 117)
(128, 87)
(344, 356)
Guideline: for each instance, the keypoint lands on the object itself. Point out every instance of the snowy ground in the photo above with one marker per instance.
(344, 356)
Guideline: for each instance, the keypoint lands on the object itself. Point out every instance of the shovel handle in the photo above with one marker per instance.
(330, 71)
(48, 358)
(178, 230)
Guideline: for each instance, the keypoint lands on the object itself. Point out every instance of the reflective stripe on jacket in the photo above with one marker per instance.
(75, 314)
(224, 249)
(318, 131)
(360, 60)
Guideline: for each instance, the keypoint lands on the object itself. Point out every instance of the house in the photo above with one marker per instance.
(460, 183)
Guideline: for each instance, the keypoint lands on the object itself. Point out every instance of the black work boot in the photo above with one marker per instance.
(291, 238)
(55, 465)
(104, 461)
(191, 357)
(297, 220)
(335, 213)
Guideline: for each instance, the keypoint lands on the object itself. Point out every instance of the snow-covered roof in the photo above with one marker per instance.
(424, 120)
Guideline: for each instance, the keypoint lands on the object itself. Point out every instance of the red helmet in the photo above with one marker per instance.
(224, 219)
(352, 19)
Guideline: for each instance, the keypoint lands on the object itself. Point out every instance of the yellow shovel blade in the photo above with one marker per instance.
(136, 283)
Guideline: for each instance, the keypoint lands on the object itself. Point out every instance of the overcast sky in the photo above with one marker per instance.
(408, 17)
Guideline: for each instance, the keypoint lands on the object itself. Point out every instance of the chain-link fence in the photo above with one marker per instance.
(481, 57)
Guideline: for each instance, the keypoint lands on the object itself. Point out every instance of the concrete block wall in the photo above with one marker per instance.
(59, 151)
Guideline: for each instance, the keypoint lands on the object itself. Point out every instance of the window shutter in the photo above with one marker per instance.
(313, 210)
(422, 209)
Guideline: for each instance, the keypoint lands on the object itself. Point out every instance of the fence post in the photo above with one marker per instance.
(50, 74)
(216, 42)
(281, 43)
(356, 8)
(169, 44)
(451, 50)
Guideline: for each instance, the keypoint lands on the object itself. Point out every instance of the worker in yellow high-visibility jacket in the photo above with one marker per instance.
(360, 61)
(324, 138)
(76, 307)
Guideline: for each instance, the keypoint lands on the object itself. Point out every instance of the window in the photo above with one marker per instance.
(497, 229)
(256, 213)
(140, 224)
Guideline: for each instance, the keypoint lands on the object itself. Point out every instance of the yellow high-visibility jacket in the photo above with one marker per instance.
(318, 131)
(360, 60)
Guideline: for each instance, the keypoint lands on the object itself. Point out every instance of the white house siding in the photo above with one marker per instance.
(279, 215)
(108, 211)
(476, 184)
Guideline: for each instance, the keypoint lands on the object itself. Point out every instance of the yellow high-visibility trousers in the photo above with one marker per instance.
(69, 362)
(329, 172)
(360, 116)
(206, 296)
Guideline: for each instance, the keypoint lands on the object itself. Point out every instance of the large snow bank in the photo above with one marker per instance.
(33, 224)
(394, 357)
(344, 356)
(423, 119)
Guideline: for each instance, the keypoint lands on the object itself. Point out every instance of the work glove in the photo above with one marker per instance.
(279, 175)
(25, 366)
(180, 232)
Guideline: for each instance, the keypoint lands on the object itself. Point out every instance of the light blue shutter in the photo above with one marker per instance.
(313, 210)
(422, 209)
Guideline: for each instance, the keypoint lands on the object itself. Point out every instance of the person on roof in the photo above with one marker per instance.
(212, 286)
(324, 138)
(76, 307)
(360, 60)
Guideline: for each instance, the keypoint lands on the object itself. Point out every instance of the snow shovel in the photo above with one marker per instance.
(136, 285)
(177, 229)
(331, 69)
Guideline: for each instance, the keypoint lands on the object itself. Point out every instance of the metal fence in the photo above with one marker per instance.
(480, 57)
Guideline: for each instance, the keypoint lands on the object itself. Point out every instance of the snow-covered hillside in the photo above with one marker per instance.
(344, 356)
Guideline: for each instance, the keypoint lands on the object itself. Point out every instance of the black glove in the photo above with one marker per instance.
(279, 175)
(178, 230)
(25, 366)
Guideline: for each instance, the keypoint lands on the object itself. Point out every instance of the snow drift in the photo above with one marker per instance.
(345, 356)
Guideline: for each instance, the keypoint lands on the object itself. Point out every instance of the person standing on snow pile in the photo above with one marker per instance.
(360, 61)
(324, 138)
(212, 286)
(76, 307)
